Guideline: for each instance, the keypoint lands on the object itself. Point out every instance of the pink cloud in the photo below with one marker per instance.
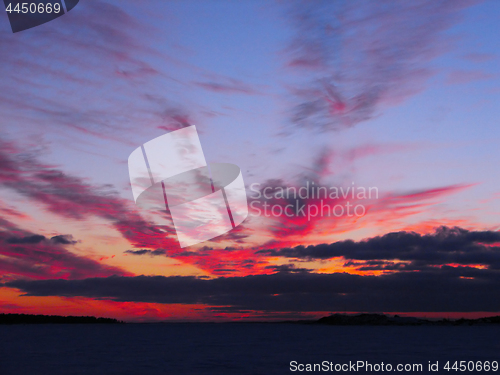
(466, 76)
(73, 198)
(479, 57)
(227, 86)
(85, 82)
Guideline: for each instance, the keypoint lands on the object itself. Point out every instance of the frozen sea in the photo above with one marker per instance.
(236, 348)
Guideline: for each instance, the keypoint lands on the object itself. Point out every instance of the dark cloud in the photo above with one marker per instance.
(35, 238)
(444, 246)
(461, 289)
(288, 268)
(28, 255)
(146, 251)
(358, 56)
(64, 239)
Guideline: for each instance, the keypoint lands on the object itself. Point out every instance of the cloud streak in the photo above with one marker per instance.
(66, 76)
(227, 86)
(358, 56)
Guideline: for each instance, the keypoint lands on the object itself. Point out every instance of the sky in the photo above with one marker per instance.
(390, 107)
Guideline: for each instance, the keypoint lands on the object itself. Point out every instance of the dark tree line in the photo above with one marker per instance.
(43, 319)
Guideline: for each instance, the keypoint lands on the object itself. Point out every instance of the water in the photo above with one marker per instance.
(232, 348)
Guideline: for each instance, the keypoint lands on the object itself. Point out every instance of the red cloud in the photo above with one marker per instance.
(75, 199)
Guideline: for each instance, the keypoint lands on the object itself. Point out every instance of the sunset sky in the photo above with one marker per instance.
(400, 97)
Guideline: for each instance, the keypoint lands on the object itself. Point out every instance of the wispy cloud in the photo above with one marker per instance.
(478, 57)
(357, 56)
(86, 82)
(227, 86)
(467, 76)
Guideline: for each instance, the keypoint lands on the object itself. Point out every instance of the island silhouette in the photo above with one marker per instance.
(396, 320)
(45, 319)
(334, 320)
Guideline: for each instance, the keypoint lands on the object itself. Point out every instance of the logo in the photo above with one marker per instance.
(204, 200)
(27, 14)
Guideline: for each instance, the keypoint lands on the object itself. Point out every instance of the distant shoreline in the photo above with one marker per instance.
(54, 319)
(396, 320)
(335, 320)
